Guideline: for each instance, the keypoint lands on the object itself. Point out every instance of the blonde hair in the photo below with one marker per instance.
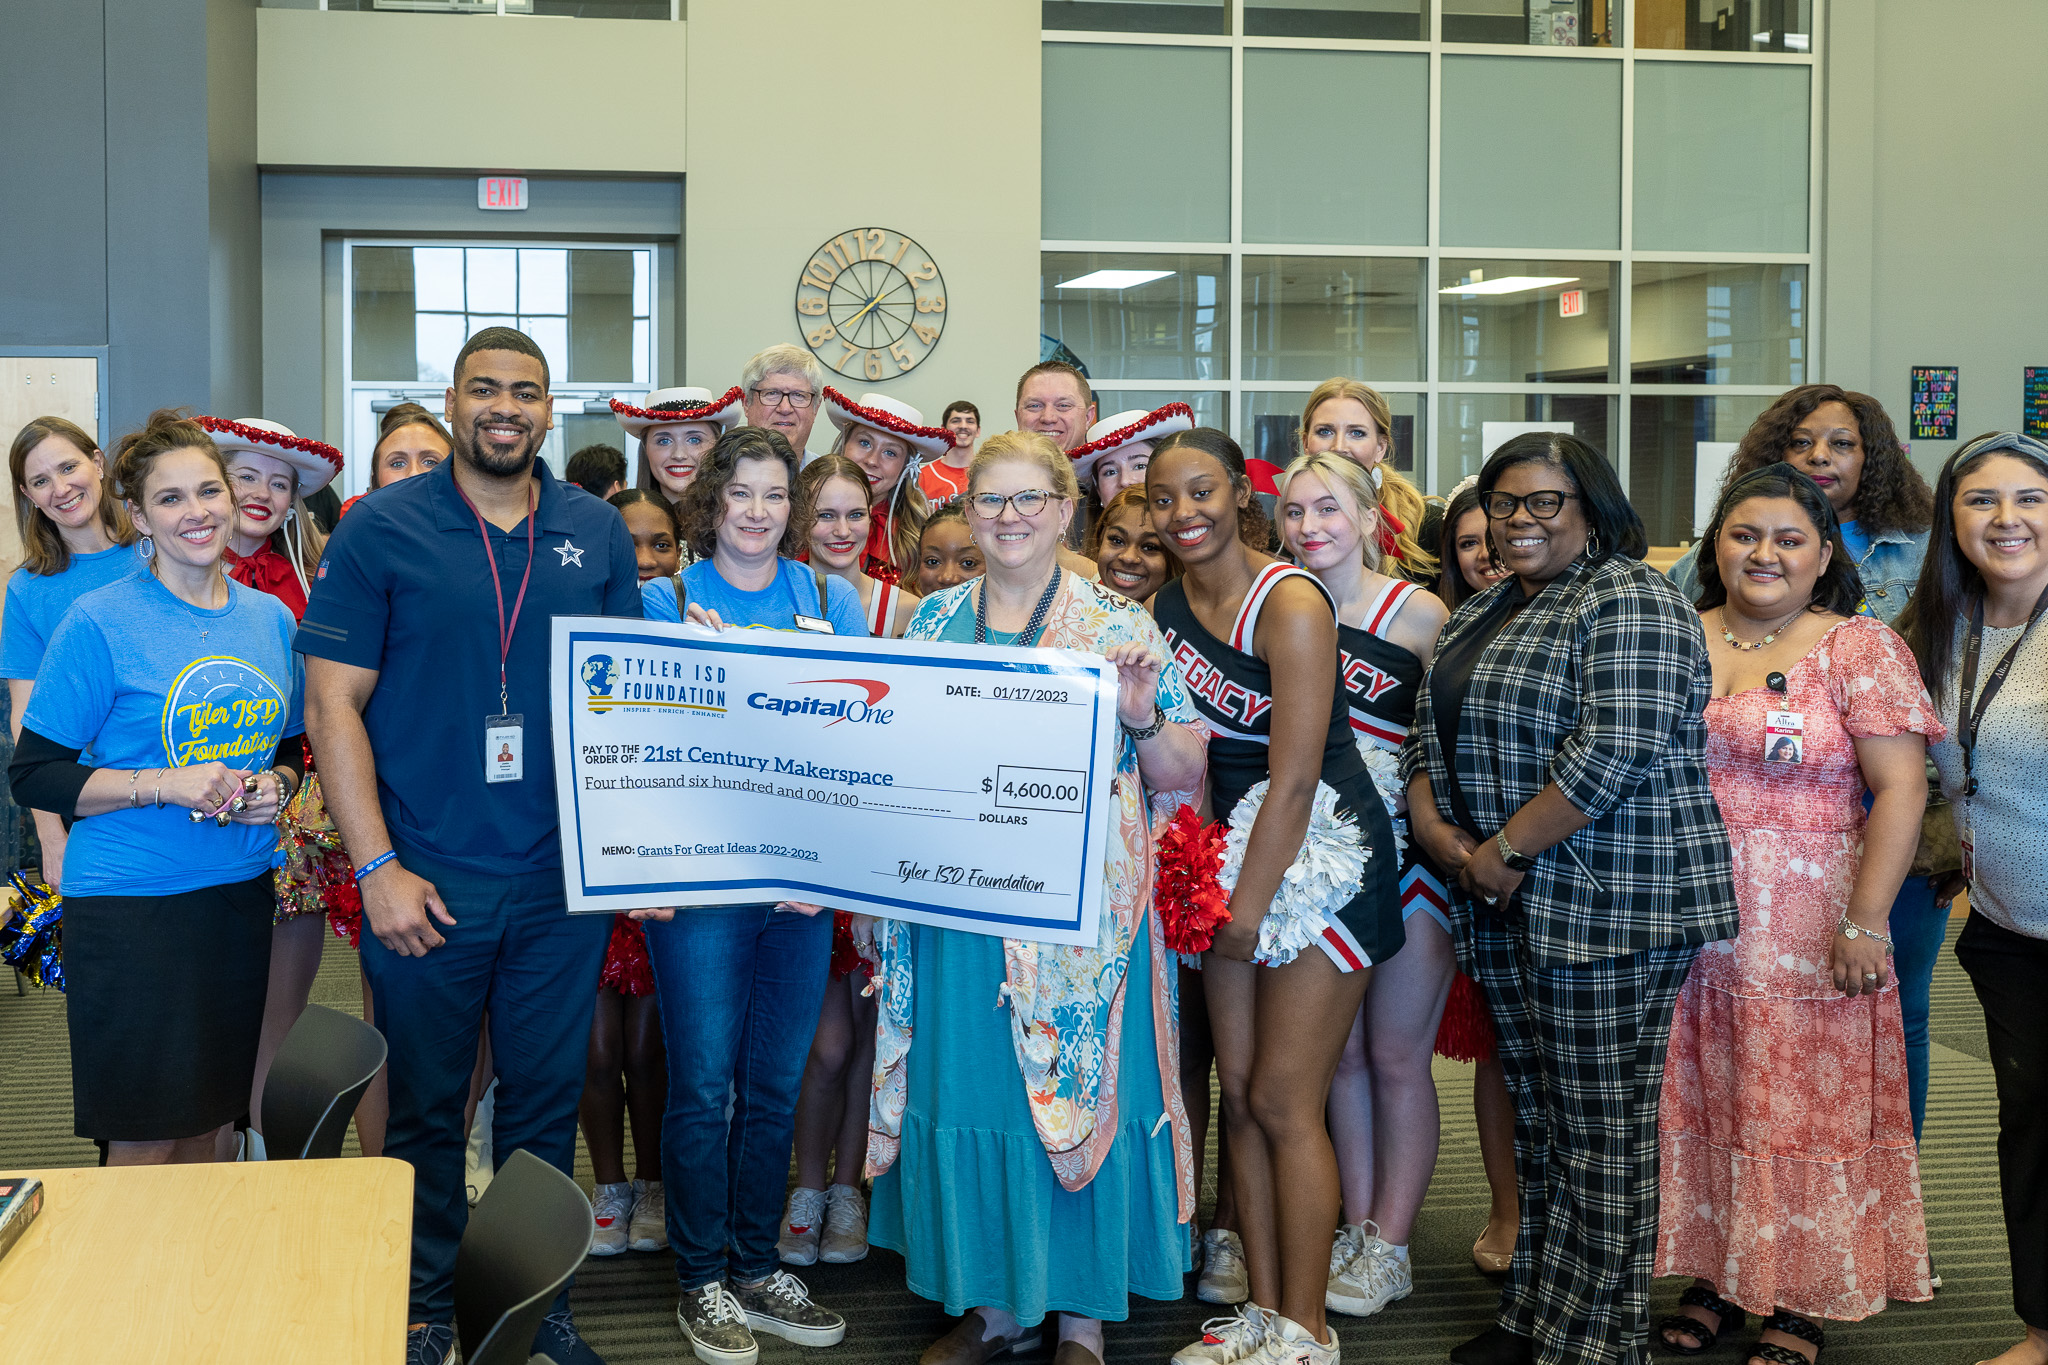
(1340, 476)
(906, 495)
(1396, 494)
(42, 545)
(1027, 447)
(299, 539)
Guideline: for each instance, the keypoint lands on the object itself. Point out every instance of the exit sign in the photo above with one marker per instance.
(501, 191)
(1570, 303)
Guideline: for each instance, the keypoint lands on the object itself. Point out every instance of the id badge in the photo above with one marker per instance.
(1784, 737)
(817, 625)
(504, 748)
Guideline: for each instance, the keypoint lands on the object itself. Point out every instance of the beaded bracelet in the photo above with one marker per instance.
(371, 866)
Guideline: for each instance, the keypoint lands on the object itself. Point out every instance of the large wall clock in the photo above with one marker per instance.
(871, 304)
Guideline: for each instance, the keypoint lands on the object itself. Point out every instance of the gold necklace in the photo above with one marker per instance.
(1729, 635)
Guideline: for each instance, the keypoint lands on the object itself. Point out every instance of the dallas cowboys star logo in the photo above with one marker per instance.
(570, 554)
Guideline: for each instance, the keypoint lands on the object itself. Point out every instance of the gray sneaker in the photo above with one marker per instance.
(846, 1226)
(782, 1307)
(716, 1326)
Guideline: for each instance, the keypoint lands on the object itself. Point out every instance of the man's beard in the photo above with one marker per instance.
(485, 459)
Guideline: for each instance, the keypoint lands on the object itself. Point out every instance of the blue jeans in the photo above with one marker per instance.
(514, 950)
(1918, 929)
(740, 988)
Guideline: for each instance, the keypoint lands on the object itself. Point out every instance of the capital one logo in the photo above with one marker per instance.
(839, 704)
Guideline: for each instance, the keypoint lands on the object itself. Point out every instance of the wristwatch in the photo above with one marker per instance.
(1158, 724)
(1517, 862)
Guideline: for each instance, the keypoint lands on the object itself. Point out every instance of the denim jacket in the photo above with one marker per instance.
(1889, 572)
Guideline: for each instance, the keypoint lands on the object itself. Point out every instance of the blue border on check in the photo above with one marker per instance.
(880, 903)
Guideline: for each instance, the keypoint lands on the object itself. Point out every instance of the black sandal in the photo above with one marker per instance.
(1699, 1296)
(1792, 1325)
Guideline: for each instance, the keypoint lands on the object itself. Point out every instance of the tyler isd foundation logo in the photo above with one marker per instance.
(599, 674)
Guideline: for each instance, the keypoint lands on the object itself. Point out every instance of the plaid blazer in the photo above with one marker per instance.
(1600, 684)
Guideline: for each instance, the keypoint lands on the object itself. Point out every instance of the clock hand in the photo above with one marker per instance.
(861, 314)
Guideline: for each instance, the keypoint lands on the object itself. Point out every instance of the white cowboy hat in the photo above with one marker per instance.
(667, 407)
(892, 415)
(315, 462)
(1128, 428)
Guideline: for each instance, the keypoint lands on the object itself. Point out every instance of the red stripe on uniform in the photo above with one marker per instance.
(1352, 960)
(1390, 603)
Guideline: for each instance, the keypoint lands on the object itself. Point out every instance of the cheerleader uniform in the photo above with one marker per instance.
(1232, 688)
(882, 608)
(1380, 679)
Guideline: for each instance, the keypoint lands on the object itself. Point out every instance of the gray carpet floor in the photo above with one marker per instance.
(625, 1305)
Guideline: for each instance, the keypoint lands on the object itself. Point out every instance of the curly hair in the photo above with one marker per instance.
(703, 504)
(1891, 495)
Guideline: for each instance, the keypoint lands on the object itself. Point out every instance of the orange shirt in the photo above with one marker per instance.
(941, 483)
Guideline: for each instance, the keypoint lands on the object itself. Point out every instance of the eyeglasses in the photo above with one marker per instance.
(1542, 506)
(775, 398)
(1029, 503)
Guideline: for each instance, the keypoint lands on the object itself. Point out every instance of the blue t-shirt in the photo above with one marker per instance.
(1858, 543)
(405, 589)
(36, 602)
(794, 593)
(144, 680)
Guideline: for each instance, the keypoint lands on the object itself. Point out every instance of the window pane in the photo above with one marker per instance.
(1672, 443)
(1722, 156)
(601, 316)
(1726, 25)
(602, 9)
(1476, 424)
(643, 265)
(1138, 317)
(642, 365)
(438, 336)
(1311, 317)
(1212, 408)
(383, 340)
(1295, 188)
(1536, 23)
(1718, 324)
(437, 276)
(1272, 427)
(1336, 18)
(552, 336)
(493, 278)
(1137, 16)
(1140, 143)
(543, 281)
(1526, 322)
(1531, 152)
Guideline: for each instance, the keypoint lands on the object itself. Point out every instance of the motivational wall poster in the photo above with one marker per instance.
(1934, 402)
(2034, 401)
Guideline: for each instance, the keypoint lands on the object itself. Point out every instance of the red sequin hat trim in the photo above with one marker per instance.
(1123, 436)
(259, 436)
(664, 416)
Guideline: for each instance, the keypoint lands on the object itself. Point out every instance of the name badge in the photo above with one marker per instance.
(1784, 737)
(504, 748)
(817, 625)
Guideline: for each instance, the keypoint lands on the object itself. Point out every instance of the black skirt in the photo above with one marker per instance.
(164, 996)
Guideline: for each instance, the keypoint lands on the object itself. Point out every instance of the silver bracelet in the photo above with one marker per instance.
(1850, 929)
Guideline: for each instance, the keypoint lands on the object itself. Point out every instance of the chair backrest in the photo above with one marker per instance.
(322, 1069)
(526, 1237)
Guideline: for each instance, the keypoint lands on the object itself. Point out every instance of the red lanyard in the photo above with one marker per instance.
(504, 630)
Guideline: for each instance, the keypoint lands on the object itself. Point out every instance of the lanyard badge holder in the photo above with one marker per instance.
(505, 733)
(1971, 709)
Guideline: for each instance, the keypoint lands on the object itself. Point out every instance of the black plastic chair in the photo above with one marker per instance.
(526, 1237)
(325, 1064)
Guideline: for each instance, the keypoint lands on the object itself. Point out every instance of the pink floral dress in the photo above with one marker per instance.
(1788, 1170)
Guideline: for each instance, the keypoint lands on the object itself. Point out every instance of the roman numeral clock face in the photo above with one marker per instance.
(871, 304)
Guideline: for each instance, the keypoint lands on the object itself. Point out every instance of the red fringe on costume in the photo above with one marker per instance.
(1185, 891)
(626, 967)
(846, 955)
(1466, 1033)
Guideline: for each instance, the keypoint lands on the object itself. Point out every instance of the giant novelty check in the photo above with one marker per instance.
(960, 786)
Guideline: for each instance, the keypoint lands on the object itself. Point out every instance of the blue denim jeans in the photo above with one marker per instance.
(516, 951)
(1918, 929)
(740, 988)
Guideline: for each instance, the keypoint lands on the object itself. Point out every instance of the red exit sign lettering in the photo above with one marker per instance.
(501, 191)
(1570, 303)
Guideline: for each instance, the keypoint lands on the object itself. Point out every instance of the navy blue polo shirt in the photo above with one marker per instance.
(404, 588)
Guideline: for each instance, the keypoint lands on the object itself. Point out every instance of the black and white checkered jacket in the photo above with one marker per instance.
(1599, 684)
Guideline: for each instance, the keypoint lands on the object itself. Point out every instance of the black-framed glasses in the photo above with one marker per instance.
(774, 398)
(1542, 506)
(1029, 502)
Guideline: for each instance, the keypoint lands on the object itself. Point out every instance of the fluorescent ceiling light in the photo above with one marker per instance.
(1509, 284)
(1114, 279)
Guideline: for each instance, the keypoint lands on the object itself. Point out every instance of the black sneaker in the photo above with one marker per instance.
(782, 1307)
(716, 1326)
(560, 1342)
(430, 1344)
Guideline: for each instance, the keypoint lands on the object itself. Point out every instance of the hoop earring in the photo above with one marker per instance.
(147, 550)
(1593, 544)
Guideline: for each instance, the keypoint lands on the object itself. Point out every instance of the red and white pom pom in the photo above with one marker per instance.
(1189, 899)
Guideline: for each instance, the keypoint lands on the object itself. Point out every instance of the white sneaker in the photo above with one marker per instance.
(802, 1222)
(1288, 1343)
(1223, 1277)
(1226, 1341)
(610, 1207)
(1373, 1277)
(647, 1228)
(846, 1226)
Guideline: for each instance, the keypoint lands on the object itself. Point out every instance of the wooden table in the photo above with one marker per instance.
(267, 1261)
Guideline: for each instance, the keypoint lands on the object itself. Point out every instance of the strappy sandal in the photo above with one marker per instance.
(1699, 1296)
(1791, 1325)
